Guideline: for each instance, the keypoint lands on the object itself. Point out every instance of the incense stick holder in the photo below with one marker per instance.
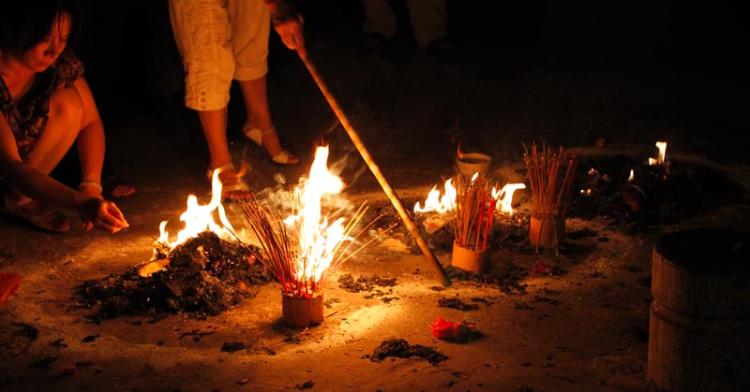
(473, 162)
(469, 259)
(546, 231)
(301, 312)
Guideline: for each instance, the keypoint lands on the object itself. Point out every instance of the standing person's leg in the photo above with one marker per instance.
(379, 18)
(428, 20)
(202, 31)
(251, 21)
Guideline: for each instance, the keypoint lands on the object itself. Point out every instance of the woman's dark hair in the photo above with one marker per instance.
(25, 23)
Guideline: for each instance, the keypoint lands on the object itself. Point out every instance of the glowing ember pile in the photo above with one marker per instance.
(299, 249)
(640, 195)
(203, 271)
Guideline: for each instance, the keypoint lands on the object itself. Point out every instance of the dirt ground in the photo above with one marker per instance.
(585, 329)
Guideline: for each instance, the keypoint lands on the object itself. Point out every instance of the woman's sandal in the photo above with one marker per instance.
(231, 190)
(116, 189)
(38, 216)
(284, 157)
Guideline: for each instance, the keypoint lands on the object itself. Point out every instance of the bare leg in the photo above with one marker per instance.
(214, 124)
(62, 129)
(258, 112)
(379, 18)
(428, 20)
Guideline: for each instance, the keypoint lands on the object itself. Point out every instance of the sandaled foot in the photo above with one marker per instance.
(37, 215)
(115, 189)
(270, 140)
(233, 188)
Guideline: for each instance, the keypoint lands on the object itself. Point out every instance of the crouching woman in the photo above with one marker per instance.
(46, 106)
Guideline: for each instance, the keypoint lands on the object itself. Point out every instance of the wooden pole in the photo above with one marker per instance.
(410, 225)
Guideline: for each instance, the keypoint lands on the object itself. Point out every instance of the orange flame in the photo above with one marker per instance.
(506, 193)
(318, 239)
(199, 218)
(661, 158)
(437, 203)
(445, 203)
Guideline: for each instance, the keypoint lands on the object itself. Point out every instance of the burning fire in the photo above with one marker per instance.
(199, 218)
(506, 203)
(631, 178)
(661, 159)
(318, 239)
(437, 203)
(445, 203)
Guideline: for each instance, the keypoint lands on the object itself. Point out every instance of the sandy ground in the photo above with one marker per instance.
(585, 330)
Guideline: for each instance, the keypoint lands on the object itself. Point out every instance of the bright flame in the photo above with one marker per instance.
(506, 203)
(199, 218)
(445, 203)
(437, 203)
(660, 159)
(318, 239)
(631, 178)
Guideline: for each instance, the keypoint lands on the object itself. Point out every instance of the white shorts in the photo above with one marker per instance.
(219, 40)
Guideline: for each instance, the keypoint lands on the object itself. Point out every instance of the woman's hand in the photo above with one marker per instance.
(288, 23)
(102, 214)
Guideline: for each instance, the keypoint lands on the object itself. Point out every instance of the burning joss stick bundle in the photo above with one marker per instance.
(475, 209)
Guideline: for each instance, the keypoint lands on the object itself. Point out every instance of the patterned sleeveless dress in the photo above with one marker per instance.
(28, 114)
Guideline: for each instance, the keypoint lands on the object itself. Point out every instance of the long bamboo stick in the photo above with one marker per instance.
(410, 225)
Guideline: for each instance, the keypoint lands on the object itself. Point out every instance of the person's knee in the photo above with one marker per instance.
(66, 106)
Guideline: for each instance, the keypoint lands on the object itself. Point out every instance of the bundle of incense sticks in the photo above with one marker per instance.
(551, 176)
(475, 210)
(281, 248)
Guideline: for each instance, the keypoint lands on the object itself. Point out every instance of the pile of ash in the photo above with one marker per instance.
(653, 196)
(370, 285)
(508, 279)
(401, 348)
(205, 276)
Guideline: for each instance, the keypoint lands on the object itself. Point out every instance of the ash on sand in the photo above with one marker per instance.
(652, 198)
(348, 283)
(400, 348)
(508, 279)
(205, 276)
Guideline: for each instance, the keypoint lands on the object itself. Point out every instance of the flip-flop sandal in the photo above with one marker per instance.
(238, 190)
(116, 189)
(284, 157)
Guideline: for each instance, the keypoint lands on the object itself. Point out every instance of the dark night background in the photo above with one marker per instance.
(607, 78)
(627, 71)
